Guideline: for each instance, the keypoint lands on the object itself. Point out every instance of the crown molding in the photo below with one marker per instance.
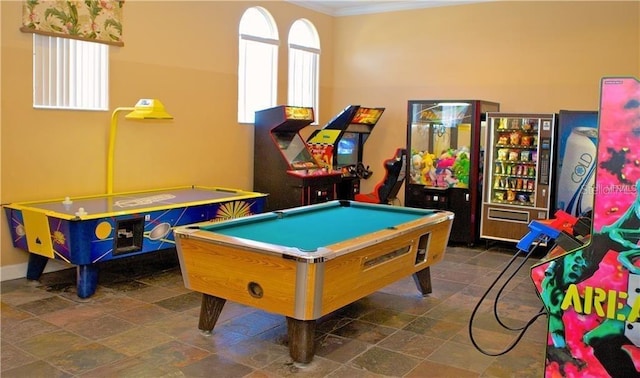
(355, 7)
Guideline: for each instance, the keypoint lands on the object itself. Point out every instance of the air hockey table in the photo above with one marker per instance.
(84, 231)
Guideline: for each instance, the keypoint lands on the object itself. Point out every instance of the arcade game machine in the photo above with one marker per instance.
(283, 165)
(445, 143)
(339, 146)
(591, 293)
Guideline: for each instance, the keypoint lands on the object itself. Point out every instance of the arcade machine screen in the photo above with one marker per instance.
(348, 149)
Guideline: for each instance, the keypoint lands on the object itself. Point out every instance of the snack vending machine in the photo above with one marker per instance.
(518, 166)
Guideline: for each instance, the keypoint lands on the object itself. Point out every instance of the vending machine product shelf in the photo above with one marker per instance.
(519, 165)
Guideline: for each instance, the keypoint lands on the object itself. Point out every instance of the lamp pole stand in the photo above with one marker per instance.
(112, 146)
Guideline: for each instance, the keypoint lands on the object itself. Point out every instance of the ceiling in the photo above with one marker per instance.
(354, 7)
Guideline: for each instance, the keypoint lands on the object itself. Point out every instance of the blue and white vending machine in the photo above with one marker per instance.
(576, 162)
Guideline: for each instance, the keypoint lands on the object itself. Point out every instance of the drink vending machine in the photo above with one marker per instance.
(576, 162)
(519, 168)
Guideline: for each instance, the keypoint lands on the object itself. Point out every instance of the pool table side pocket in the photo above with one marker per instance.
(260, 280)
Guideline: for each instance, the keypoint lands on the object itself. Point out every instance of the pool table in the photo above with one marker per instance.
(309, 261)
(84, 231)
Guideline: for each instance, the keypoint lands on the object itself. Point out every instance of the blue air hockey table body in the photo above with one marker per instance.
(84, 231)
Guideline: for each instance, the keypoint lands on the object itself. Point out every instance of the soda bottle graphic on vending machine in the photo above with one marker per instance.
(576, 162)
(576, 178)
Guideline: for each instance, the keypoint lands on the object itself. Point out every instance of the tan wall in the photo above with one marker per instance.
(183, 53)
(530, 56)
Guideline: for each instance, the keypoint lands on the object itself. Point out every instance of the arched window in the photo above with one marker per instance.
(258, 62)
(304, 61)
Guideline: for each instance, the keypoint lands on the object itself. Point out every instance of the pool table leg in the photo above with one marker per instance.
(210, 312)
(301, 339)
(422, 278)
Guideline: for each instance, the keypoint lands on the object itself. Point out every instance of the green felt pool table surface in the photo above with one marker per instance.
(313, 227)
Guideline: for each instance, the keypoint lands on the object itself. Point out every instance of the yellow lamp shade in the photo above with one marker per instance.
(148, 109)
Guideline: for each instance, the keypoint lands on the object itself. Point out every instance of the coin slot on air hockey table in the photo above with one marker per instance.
(129, 236)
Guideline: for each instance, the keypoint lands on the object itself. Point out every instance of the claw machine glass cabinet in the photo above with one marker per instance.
(519, 170)
(445, 139)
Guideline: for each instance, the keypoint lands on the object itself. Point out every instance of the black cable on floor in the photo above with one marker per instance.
(522, 329)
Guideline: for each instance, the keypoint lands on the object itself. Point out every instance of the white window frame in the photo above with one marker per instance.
(304, 65)
(70, 74)
(257, 65)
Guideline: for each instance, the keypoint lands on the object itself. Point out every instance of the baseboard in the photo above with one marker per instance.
(161, 259)
(12, 272)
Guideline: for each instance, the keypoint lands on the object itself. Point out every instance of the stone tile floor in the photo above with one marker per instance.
(142, 322)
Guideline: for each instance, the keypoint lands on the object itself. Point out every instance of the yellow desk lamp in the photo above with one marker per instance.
(144, 109)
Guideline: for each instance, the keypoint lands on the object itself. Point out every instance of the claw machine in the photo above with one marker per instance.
(283, 165)
(518, 170)
(445, 140)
